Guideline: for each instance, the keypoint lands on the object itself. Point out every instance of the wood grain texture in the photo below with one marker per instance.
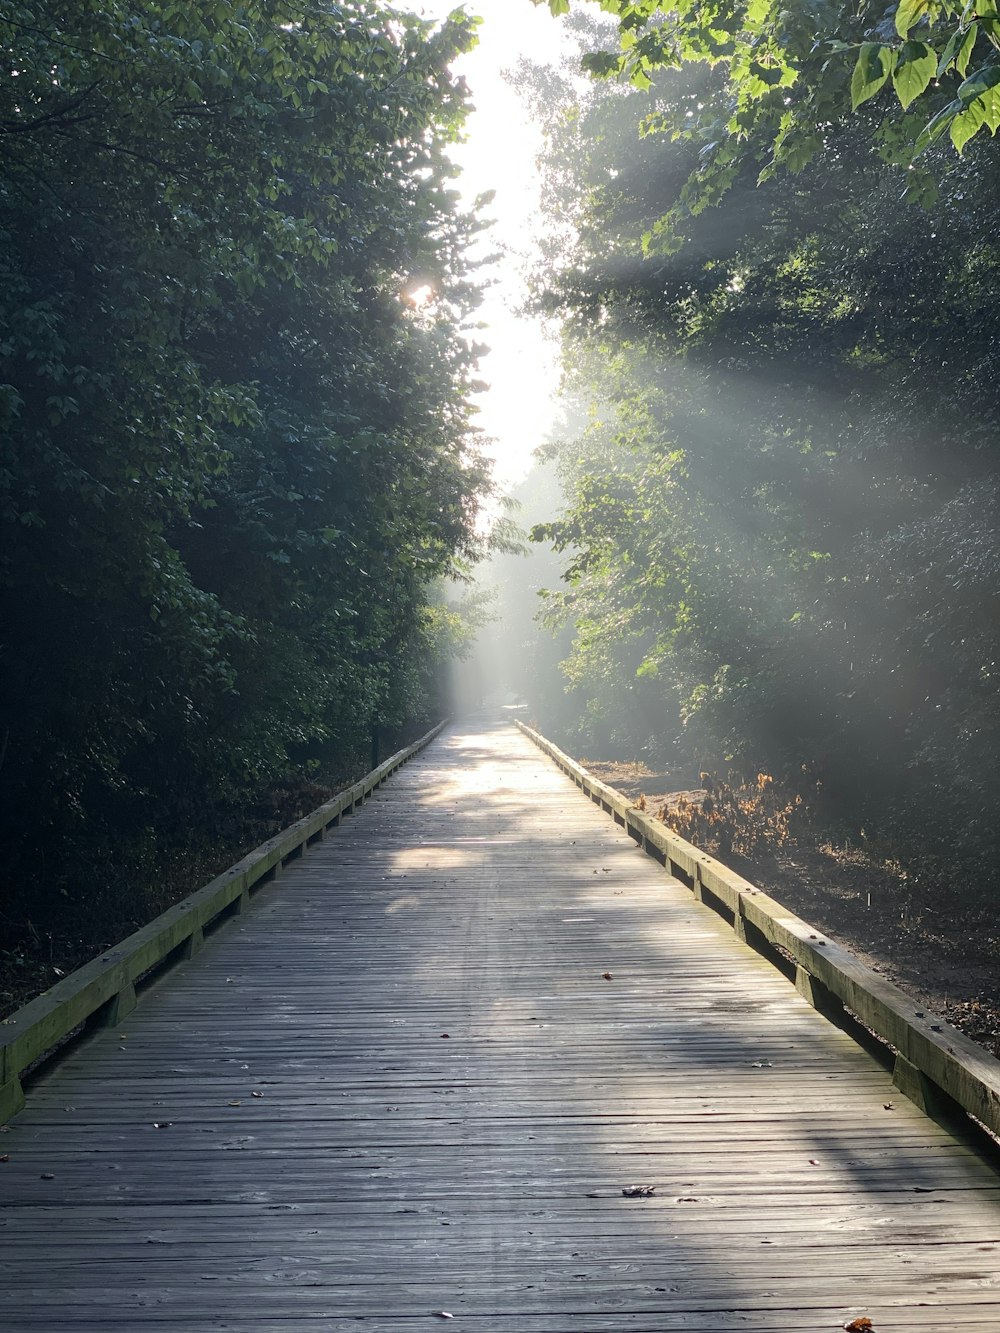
(106, 985)
(937, 1066)
(400, 1083)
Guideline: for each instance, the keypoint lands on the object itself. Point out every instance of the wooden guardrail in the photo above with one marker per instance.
(105, 989)
(934, 1065)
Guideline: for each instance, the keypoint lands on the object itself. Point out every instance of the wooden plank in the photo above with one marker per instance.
(386, 1171)
(939, 1066)
(109, 980)
(932, 1320)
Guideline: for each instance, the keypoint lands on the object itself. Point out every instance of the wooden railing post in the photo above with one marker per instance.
(105, 991)
(936, 1066)
(120, 1005)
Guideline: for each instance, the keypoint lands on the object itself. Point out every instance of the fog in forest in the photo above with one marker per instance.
(251, 533)
(765, 533)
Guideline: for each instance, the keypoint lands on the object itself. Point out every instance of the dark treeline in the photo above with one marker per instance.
(234, 459)
(780, 537)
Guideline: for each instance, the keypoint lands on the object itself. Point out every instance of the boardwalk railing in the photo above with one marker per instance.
(935, 1066)
(104, 990)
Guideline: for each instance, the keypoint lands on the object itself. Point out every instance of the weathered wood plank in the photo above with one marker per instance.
(938, 1064)
(387, 1171)
(108, 981)
(932, 1320)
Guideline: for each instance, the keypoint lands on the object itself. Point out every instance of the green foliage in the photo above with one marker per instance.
(875, 63)
(781, 534)
(233, 460)
(916, 66)
(788, 72)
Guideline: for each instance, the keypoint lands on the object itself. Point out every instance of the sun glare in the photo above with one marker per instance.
(419, 297)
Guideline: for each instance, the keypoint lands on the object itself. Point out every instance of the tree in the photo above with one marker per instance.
(234, 459)
(788, 74)
(771, 520)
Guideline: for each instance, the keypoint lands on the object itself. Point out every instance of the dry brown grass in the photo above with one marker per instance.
(736, 817)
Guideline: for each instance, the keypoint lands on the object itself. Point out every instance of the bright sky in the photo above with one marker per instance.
(521, 369)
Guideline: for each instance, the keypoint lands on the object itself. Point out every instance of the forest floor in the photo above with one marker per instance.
(941, 948)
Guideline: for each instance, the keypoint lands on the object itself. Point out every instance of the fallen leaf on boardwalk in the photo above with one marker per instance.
(608, 976)
(443, 1314)
(162, 1124)
(761, 1064)
(5, 1157)
(639, 1191)
(445, 1034)
(256, 1094)
(48, 1175)
(863, 1325)
(235, 1103)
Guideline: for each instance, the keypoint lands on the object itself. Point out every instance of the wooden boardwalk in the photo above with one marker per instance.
(402, 1085)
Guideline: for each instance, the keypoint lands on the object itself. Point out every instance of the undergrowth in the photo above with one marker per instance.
(56, 916)
(737, 816)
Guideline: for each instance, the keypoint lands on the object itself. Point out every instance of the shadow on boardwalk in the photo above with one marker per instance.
(403, 1085)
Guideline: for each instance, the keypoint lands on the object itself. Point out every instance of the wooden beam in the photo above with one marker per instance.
(108, 982)
(936, 1065)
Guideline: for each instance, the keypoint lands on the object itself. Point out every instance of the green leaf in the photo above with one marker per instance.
(922, 190)
(769, 74)
(965, 51)
(980, 99)
(966, 123)
(874, 66)
(948, 54)
(601, 64)
(799, 150)
(991, 109)
(936, 126)
(916, 66)
(908, 13)
(979, 83)
(988, 18)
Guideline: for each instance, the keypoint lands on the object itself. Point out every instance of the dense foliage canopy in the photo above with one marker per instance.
(782, 520)
(233, 457)
(789, 69)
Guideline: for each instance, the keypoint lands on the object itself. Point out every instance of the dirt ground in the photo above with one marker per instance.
(942, 952)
